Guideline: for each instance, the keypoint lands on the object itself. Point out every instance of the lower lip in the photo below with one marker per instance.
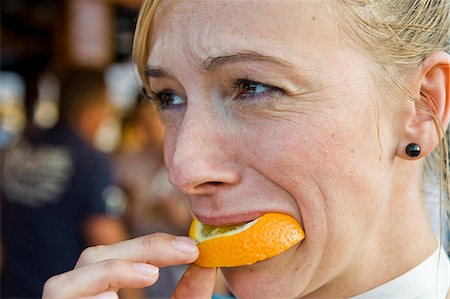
(229, 220)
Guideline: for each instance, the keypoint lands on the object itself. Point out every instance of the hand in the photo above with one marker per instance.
(102, 270)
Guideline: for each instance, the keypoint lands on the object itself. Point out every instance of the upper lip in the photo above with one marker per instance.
(223, 220)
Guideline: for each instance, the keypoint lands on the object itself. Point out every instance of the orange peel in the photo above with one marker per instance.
(246, 243)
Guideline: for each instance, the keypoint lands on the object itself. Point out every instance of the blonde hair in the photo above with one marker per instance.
(142, 38)
(398, 35)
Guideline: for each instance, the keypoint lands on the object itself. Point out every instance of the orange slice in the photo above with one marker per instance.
(246, 243)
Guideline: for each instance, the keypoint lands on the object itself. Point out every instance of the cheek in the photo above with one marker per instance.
(169, 146)
(292, 152)
(332, 170)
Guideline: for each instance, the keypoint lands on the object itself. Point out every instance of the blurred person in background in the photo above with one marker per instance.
(57, 193)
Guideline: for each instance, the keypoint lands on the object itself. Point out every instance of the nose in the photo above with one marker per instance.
(199, 153)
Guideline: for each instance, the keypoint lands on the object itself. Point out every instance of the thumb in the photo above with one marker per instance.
(197, 282)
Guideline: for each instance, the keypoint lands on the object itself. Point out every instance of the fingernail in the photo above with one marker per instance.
(146, 269)
(107, 295)
(184, 244)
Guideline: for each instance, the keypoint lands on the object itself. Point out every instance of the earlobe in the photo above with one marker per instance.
(429, 119)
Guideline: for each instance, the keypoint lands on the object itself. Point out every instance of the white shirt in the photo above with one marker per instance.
(429, 279)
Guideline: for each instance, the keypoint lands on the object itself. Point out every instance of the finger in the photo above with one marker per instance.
(98, 278)
(158, 249)
(105, 295)
(197, 282)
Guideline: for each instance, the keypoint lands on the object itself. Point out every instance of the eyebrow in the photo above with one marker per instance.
(155, 72)
(215, 62)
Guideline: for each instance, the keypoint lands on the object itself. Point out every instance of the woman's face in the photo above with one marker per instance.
(269, 107)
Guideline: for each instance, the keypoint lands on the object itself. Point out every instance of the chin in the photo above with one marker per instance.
(247, 285)
(271, 278)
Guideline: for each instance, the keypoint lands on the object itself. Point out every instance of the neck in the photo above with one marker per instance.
(408, 240)
(401, 240)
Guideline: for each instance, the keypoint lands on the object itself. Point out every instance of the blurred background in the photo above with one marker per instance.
(41, 39)
(80, 151)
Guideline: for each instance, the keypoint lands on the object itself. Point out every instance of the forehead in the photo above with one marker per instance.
(204, 28)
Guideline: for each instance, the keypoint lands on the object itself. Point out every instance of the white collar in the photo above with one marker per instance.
(423, 281)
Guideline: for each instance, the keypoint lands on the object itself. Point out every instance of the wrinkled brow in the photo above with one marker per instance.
(215, 62)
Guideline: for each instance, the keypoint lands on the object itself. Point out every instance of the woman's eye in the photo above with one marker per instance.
(166, 99)
(251, 89)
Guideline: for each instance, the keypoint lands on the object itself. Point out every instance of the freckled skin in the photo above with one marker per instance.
(312, 151)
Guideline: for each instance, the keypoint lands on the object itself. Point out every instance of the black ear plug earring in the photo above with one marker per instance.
(413, 150)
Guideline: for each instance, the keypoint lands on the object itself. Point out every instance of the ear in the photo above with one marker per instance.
(424, 124)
